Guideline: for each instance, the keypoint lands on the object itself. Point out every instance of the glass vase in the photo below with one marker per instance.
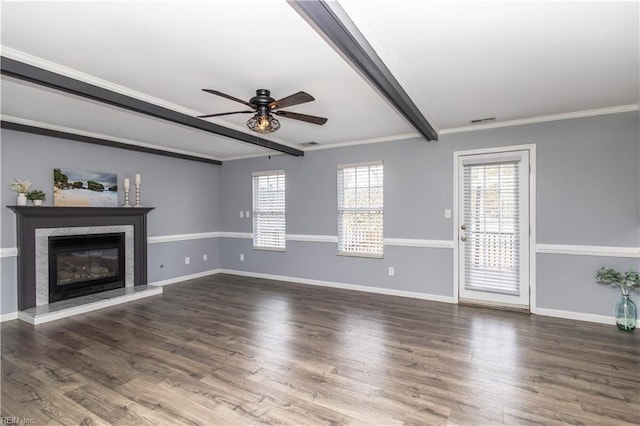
(626, 313)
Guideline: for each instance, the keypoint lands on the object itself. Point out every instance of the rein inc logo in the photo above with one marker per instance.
(5, 420)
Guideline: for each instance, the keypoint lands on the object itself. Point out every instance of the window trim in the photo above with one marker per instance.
(340, 190)
(255, 175)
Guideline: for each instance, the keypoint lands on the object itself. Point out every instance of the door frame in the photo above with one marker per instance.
(532, 215)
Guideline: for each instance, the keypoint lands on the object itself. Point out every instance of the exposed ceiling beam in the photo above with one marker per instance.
(99, 141)
(335, 24)
(33, 74)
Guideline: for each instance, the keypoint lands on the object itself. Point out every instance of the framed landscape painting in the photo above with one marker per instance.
(81, 188)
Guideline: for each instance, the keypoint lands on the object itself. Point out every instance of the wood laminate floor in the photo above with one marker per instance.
(229, 350)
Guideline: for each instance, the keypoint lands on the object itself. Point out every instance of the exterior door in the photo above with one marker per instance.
(493, 228)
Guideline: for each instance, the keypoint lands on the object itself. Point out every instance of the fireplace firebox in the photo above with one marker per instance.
(85, 264)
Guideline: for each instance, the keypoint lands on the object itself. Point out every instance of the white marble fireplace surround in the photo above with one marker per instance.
(42, 254)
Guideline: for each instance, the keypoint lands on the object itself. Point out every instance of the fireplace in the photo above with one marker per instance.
(34, 227)
(85, 264)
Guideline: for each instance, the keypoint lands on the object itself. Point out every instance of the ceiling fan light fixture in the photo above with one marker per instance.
(263, 123)
(262, 105)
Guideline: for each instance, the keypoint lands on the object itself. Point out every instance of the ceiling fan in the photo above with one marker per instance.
(263, 106)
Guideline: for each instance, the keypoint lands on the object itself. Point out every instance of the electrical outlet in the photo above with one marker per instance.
(392, 271)
(204, 257)
(242, 258)
(187, 260)
(447, 214)
(241, 214)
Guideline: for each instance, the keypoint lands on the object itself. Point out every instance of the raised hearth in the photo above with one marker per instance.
(84, 304)
(35, 226)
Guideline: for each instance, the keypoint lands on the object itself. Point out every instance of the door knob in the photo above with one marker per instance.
(463, 227)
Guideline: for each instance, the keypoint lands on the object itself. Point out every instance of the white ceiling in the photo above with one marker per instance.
(458, 61)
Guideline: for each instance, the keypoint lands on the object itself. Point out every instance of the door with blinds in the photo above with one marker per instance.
(493, 228)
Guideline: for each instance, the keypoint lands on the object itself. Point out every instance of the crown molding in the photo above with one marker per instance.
(87, 78)
(543, 119)
(393, 138)
(56, 128)
(465, 129)
(257, 155)
(390, 138)
(23, 66)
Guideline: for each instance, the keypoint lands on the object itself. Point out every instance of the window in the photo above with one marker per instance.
(360, 209)
(269, 210)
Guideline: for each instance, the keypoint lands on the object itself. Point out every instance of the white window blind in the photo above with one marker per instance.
(492, 221)
(269, 210)
(360, 209)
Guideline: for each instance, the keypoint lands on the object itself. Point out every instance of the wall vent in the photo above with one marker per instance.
(483, 120)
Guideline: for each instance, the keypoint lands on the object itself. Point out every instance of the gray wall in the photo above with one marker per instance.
(588, 187)
(312, 185)
(166, 260)
(588, 193)
(184, 194)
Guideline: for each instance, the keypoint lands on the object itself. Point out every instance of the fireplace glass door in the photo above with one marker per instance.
(85, 264)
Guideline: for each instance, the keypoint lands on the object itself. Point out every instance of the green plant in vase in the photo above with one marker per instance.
(626, 310)
(37, 196)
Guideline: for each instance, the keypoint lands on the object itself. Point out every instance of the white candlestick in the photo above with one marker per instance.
(138, 179)
(126, 184)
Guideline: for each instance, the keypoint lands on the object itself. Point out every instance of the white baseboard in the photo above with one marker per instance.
(578, 316)
(8, 317)
(344, 286)
(556, 313)
(185, 278)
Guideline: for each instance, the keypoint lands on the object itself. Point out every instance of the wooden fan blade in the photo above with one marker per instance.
(225, 113)
(224, 95)
(295, 99)
(302, 117)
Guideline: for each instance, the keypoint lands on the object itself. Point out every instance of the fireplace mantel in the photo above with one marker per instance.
(28, 219)
(57, 212)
